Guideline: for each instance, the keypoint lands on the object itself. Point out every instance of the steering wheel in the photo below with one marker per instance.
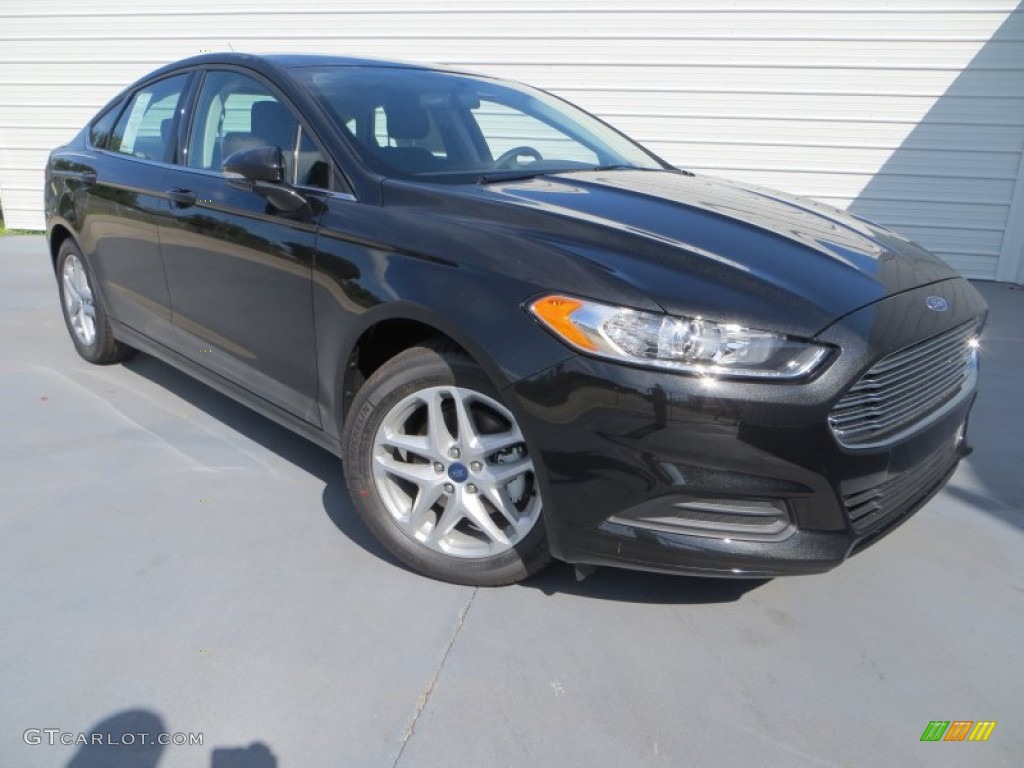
(506, 158)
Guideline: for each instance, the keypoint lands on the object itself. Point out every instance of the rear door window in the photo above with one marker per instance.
(145, 129)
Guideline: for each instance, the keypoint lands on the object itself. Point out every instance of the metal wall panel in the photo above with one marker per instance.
(908, 112)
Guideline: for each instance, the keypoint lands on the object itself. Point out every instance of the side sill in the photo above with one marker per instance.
(143, 343)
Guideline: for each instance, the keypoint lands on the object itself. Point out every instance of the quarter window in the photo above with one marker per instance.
(146, 126)
(311, 169)
(101, 128)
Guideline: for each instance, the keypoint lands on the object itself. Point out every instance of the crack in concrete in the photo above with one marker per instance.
(424, 698)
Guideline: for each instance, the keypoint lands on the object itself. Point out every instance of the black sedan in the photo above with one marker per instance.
(525, 335)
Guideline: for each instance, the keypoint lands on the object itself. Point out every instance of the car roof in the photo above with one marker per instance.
(296, 61)
(292, 61)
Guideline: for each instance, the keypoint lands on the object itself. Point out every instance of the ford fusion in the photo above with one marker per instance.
(526, 336)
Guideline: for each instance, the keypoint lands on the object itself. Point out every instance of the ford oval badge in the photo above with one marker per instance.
(936, 303)
(458, 472)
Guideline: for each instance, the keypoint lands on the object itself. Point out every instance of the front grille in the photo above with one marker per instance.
(905, 387)
(899, 494)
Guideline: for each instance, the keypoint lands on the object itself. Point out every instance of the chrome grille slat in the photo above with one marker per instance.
(877, 390)
(926, 349)
(855, 402)
(897, 419)
(947, 353)
(889, 411)
(904, 387)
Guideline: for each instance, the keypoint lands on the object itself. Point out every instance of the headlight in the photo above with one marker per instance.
(685, 344)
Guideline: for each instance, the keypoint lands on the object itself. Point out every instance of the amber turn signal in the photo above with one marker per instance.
(556, 313)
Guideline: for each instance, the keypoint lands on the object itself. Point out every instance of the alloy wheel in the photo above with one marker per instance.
(452, 469)
(78, 300)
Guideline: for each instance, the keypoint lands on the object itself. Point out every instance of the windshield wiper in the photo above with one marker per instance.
(491, 178)
(624, 167)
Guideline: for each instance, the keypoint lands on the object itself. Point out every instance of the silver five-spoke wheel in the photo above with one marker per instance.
(84, 313)
(452, 469)
(439, 469)
(78, 300)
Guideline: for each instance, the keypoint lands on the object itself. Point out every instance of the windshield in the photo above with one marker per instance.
(439, 126)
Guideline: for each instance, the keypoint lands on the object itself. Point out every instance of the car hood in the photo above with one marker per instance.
(700, 245)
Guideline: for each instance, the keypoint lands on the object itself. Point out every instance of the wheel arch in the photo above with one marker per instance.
(388, 331)
(59, 232)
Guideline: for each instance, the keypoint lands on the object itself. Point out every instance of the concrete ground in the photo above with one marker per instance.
(172, 562)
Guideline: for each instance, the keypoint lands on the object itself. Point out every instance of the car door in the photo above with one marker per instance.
(238, 269)
(123, 201)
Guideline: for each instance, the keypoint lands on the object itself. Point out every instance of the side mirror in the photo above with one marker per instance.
(256, 164)
(264, 168)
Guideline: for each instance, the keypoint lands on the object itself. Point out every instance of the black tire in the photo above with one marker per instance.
(102, 348)
(424, 370)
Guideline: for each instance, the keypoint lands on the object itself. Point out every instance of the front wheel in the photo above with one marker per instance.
(439, 469)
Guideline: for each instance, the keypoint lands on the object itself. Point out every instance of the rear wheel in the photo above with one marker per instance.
(438, 468)
(84, 313)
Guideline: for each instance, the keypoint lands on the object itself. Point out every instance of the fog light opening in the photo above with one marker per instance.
(730, 520)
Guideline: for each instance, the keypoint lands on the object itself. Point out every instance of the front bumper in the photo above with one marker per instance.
(638, 465)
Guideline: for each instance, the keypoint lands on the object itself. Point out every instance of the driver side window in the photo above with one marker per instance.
(237, 112)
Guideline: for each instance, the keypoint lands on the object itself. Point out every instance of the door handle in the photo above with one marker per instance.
(181, 198)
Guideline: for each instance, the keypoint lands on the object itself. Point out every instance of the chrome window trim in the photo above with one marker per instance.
(347, 196)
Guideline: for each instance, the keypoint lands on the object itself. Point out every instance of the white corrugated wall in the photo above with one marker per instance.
(908, 112)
